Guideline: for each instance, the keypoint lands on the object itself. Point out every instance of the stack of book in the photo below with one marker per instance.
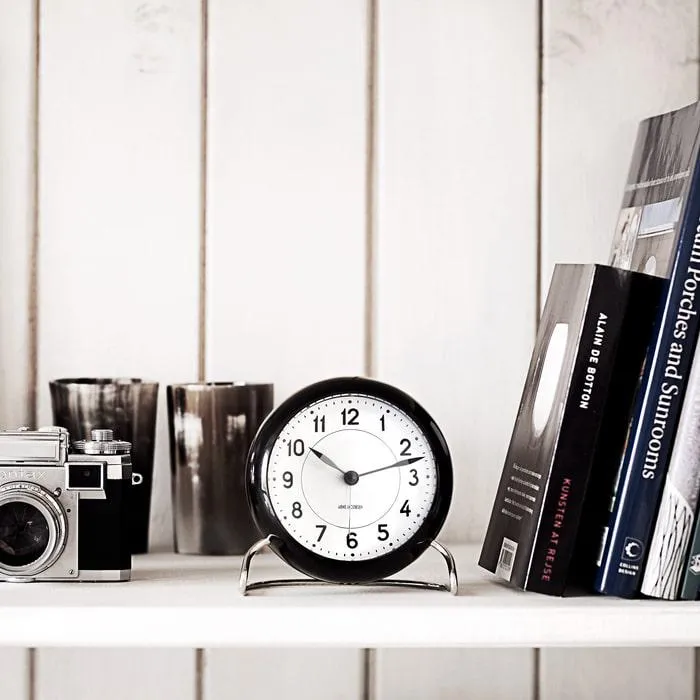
(601, 486)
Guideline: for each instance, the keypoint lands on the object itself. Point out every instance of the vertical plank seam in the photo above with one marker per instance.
(31, 409)
(539, 159)
(536, 655)
(203, 193)
(31, 674)
(203, 183)
(33, 301)
(368, 674)
(199, 674)
(367, 668)
(370, 185)
(536, 680)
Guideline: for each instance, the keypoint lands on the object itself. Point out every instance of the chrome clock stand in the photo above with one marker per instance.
(246, 587)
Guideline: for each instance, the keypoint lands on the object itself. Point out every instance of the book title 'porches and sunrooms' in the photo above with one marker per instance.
(669, 553)
(663, 185)
(672, 386)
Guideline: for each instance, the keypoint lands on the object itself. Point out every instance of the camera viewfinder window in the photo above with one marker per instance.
(85, 476)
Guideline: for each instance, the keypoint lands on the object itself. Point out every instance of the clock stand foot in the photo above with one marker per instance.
(246, 587)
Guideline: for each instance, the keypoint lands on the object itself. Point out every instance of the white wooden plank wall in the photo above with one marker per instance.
(285, 190)
(115, 674)
(119, 199)
(454, 674)
(285, 239)
(14, 674)
(606, 66)
(17, 128)
(119, 203)
(572, 674)
(453, 250)
(456, 203)
(456, 207)
(291, 674)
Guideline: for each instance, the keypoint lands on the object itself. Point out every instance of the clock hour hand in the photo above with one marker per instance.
(400, 463)
(326, 460)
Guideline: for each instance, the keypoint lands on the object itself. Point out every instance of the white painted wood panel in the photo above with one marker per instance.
(606, 67)
(14, 674)
(455, 268)
(285, 211)
(119, 200)
(17, 86)
(455, 226)
(596, 674)
(285, 240)
(454, 674)
(292, 674)
(115, 674)
(119, 168)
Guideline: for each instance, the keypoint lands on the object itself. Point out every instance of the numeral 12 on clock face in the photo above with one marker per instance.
(351, 477)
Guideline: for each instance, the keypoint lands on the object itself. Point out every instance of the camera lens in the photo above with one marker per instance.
(24, 534)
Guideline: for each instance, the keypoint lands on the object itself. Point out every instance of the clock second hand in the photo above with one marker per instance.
(400, 463)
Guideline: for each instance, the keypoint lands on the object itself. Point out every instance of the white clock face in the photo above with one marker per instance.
(351, 477)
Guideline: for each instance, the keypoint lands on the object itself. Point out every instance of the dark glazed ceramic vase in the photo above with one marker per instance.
(211, 428)
(128, 407)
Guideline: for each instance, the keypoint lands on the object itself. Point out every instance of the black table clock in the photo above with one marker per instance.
(350, 480)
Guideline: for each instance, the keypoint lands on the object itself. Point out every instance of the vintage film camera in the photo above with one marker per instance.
(63, 509)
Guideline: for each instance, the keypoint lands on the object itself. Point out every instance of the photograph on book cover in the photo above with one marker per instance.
(514, 526)
(645, 236)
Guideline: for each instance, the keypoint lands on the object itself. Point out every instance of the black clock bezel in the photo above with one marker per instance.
(314, 564)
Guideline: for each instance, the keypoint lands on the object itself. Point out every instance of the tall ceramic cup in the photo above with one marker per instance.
(128, 407)
(211, 428)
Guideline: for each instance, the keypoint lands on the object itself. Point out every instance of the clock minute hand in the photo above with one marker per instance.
(400, 463)
(326, 460)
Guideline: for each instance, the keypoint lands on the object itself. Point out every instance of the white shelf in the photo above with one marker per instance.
(194, 602)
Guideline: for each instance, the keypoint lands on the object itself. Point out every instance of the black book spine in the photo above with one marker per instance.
(631, 345)
(566, 488)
